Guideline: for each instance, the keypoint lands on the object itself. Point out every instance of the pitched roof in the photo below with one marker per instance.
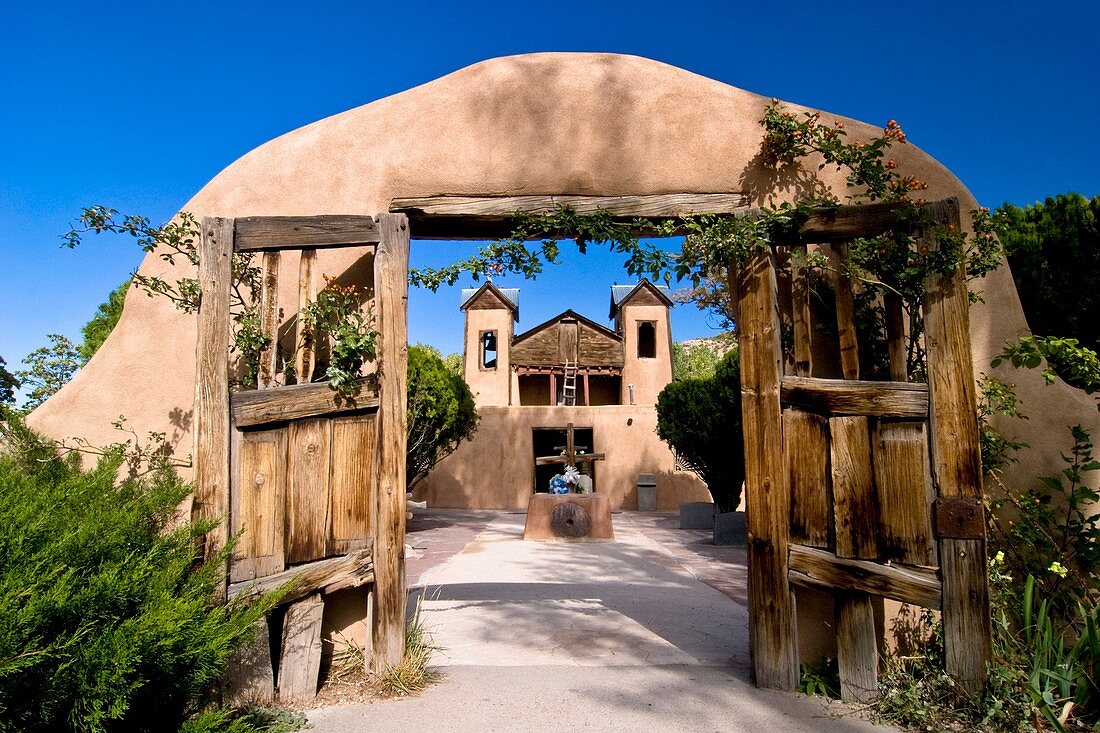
(567, 314)
(510, 296)
(621, 293)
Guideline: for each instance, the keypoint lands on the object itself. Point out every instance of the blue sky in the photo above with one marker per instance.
(137, 105)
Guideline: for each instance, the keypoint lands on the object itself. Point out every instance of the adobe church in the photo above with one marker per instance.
(567, 382)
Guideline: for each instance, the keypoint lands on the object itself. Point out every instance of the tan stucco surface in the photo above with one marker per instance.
(489, 386)
(471, 476)
(542, 123)
(648, 375)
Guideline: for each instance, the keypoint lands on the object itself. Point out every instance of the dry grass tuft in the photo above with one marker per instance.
(412, 675)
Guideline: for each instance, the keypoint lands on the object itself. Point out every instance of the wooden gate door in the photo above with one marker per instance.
(312, 483)
(862, 489)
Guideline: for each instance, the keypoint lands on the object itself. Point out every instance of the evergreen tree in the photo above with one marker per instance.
(8, 384)
(1054, 251)
(95, 331)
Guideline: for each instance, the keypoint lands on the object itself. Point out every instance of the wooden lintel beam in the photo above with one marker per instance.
(344, 571)
(844, 223)
(259, 407)
(257, 233)
(492, 217)
(823, 570)
(855, 397)
(585, 458)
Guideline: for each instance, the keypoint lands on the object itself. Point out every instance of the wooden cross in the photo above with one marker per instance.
(570, 458)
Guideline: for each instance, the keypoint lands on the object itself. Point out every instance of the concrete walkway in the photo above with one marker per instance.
(649, 632)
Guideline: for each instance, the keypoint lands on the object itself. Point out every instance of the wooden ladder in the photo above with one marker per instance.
(569, 384)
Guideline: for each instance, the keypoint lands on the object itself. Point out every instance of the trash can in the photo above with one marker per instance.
(647, 492)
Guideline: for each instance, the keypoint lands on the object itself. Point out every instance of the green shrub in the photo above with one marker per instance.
(106, 620)
(1052, 532)
(1053, 249)
(1077, 365)
(701, 420)
(441, 412)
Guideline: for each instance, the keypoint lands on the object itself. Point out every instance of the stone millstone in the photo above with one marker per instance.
(570, 520)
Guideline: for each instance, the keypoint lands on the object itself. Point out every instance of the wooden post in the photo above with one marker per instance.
(211, 499)
(857, 648)
(269, 320)
(249, 678)
(855, 513)
(305, 348)
(300, 652)
(391, 310)
(771, 603)
(896, 347)
(956, 463)
(846, 317)
(801, 319)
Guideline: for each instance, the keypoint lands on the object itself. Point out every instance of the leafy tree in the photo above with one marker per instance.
(701, 420)
(106, 623)
(95, 331)
(1053, 248)
(441, 412)
(453, 362)
(48, 369)
(698, 362)
(8, 384)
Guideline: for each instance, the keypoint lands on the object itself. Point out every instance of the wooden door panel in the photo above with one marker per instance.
(855, 503)
(257, 502)
(353, 472)
(904, 485)
(806, 457)
(308, 479)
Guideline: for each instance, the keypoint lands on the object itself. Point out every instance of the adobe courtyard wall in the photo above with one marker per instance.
(497, 469)
(599, 124)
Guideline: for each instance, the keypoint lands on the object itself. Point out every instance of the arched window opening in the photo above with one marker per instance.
(489, 350)
(647, 340)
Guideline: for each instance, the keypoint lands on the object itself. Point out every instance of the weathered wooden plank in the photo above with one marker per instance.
(211, 500)
(308, 495)
(854, 397)
(856, 648)
(846, 317)
(353, 476)
(556, 460)
(255, 233)
(774, 641)
(543, 346)
(269, 320)
(257, 503)
(300, 654)
(845, 223)
(801, 318)
(956, 459)
(904, 493)
(956, 454)
(391, 297)
(652, 206)
(806, 454)
(260, 407)
(305, 343)
(250, 676)
(328, 575)
(896, 339)
(825, 571)
(967, 631)
(855, 506)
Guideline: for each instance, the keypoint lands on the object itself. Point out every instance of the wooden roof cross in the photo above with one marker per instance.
(570, 458)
